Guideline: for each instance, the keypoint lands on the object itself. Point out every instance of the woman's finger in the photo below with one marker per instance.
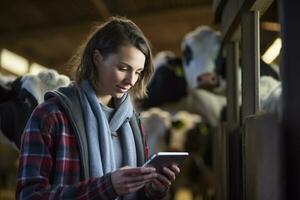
(169, 174)
(140, 178)
(175, 169)
(126, 179)
(138, 170)
(158, 185)
(164, 180)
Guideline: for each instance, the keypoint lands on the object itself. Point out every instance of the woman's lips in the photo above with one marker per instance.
(122, 89)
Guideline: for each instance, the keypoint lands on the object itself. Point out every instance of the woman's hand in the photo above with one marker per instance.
(127, 179)
(165, 178)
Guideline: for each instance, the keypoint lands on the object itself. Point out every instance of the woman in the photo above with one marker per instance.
(84, 141)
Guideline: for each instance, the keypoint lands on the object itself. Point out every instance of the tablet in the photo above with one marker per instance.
(165, 159)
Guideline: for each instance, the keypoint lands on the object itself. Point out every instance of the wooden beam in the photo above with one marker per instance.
(171, 26)
(165, 34)
(102, 8)
(45, 30)
(271, 26)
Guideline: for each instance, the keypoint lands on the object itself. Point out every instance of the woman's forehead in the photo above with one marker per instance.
(131, 56)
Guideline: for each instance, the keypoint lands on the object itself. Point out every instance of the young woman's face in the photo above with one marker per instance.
(118, 72)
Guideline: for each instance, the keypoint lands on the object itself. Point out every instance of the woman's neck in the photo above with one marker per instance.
(106, 100)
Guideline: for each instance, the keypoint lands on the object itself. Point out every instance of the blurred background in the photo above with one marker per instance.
(47, 33)
(36, 36)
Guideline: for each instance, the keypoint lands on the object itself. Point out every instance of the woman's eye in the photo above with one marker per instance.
(122, 68)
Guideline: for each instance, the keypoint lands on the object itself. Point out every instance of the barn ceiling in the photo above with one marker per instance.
(48, 32)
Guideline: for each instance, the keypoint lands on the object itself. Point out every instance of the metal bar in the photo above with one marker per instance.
(221, 161)
(232, 92)
(234, 179)
(250, 63)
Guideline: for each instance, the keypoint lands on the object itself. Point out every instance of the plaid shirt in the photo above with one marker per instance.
(49, 163)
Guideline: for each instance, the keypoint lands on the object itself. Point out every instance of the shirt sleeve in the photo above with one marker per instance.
(36, 166)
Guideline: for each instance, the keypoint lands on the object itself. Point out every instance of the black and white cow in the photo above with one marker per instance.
(168, 83)
(200, 49)
(20, 96)
(189, 133)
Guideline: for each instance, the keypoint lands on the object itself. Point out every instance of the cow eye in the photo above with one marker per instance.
(187, 55)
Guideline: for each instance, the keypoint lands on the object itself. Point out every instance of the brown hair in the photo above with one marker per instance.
(108, 38)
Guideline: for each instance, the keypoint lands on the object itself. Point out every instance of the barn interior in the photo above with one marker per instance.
(35, 35)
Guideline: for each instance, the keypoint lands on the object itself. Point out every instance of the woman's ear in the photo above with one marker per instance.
(97, 57)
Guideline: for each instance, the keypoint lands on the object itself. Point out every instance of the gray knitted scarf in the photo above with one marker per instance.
(98, 129)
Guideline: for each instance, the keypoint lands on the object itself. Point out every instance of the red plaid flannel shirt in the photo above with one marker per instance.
(49, 164)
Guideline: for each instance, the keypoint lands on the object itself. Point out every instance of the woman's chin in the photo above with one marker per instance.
(118, 95)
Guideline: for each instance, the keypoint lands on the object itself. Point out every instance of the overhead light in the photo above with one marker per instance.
(272, 52)
(13, 62)
(35, 68)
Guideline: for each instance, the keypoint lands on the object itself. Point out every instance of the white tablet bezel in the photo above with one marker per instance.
(165, 159)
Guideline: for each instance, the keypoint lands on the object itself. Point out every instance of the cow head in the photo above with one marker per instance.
(200, 49)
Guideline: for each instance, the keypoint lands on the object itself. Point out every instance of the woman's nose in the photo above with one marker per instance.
(130, 79)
